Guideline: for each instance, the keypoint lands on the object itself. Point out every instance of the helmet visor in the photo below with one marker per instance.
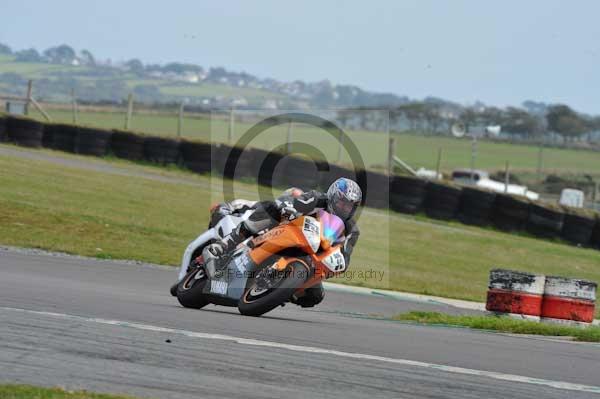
(344, 209)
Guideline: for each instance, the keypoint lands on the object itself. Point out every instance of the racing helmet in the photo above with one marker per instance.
(343, 198)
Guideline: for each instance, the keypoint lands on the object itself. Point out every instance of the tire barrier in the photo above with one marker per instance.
(595, 239)
(568, 301)
(266, 164)
(196, 156)
(441, 200)
(233, 162)
(62, 136)
(578, 227)
(92, 141)
(334, 173)
(476, 206)
(3, 136)
(297, 172)
(515, 293)
(24, 132)
(544, 220)
(127, 145)
(161, 150)
(407, 194)
(376, 190)
(510, 213)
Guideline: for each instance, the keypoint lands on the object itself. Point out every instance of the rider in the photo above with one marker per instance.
(342, 199)
(239, 206)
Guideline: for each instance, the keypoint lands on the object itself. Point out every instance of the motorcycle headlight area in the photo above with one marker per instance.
(312, 232)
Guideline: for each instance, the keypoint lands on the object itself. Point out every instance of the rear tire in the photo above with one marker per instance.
(189, 290)
(296, 274)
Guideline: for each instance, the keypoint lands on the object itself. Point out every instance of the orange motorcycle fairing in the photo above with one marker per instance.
(289, 235)
(326, 261)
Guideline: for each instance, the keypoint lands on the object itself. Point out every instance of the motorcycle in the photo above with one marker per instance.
(265, 271)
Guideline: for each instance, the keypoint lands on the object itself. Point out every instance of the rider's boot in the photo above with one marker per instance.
(213, 253)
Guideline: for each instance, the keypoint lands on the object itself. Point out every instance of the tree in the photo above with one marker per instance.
(492, 116)
(431, 113)
(135, 66)
(564, 121)
(29, 55)
(519, 121)
(469, 117)
(87, 58)
(62, 54)
(4, 49)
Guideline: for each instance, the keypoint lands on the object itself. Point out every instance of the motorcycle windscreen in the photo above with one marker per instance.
(333, 227)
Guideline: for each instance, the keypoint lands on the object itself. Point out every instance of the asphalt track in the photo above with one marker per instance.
(112, 327)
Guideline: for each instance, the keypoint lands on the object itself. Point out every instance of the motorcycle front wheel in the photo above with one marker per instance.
(269, 289)
(189, 290)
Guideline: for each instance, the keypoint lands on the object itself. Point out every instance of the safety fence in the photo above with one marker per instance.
(439, 200)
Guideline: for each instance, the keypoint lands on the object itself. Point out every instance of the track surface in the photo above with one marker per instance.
(74, 349)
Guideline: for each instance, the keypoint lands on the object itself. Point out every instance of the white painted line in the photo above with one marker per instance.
(308, 349)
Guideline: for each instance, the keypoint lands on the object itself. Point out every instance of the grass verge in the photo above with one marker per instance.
(32, 392)
(503, 324)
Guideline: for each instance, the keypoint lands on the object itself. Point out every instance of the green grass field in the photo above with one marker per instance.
(417, 150)
(95, 213)
(32, 392)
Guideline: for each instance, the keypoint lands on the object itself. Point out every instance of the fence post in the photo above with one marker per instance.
(180, 121)
(506, 177)
(473, 157)
(129, 111)
(439, 163)
(289, 136)
(540, 163)
(231, 126)
(28, 98)
(74, 106)
(391, 153)
(340, 147)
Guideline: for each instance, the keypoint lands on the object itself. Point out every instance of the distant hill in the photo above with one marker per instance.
(60, 69)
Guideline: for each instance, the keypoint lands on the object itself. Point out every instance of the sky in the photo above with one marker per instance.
(501, 52)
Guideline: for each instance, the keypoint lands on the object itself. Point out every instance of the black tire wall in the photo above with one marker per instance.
(24, 132)
(91, 141)
(510, 213)
(578, 228)
(476, 206)
(161, 150)
(3, 135)
(196, 156)
(442, 200)
(407, 194)
(127, 145)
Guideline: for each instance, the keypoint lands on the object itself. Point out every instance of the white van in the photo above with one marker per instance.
(481, 178)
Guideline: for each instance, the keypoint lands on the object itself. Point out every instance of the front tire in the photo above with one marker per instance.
(189, 290)
(257, 300)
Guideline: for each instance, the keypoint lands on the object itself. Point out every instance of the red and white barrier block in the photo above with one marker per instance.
(569, 301)
(514, 293)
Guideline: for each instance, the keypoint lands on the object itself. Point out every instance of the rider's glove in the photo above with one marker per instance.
(288, 211)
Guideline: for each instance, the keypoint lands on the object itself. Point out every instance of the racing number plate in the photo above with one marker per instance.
(218, 287)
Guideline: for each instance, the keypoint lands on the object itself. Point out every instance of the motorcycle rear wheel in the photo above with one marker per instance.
(256, 301)
(189, 290)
